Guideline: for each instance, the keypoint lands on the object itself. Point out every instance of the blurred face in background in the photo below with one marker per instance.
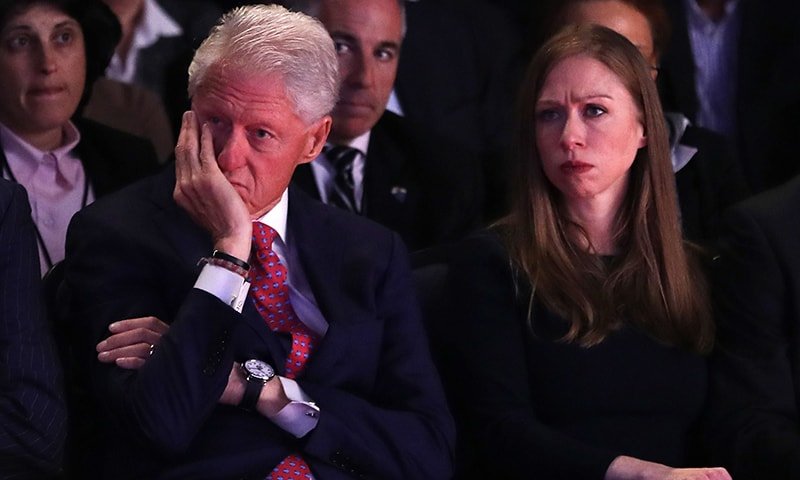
(623, 19)
(43, 60)
(367, 35)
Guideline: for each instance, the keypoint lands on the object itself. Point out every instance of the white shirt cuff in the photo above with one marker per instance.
(300, 415)
(228, 286)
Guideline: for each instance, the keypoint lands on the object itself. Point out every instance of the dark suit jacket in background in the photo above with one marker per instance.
(383, 410)
(756, 367)
(33, 416)
(132, 109)
(711, 182)
(457, 77)
(162, 67)
(768, 98)
(443, 194)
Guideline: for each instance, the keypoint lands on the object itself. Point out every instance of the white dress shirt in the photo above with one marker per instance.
(301, 415)
(325, 172)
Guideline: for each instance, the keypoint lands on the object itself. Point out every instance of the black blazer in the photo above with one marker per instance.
(33, 415)
(442, 192)
(529, 405)
(756, 367)
(383, 413)
(767, 78)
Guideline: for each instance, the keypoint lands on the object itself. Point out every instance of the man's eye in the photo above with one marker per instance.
(214, 120)
(341, 47)
(594, 110)
(384, 55)
(262, 134)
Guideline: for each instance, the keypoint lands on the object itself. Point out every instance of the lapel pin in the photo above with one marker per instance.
(399, 193)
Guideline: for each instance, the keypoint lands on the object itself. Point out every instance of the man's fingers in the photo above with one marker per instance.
(139, 350)
(207, 159)
(151, 323)
(187, 144)
(130, 363)
(132, 337)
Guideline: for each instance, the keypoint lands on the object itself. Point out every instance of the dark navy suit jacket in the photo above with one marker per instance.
(755, 400)
(383, 413)
(32, 410)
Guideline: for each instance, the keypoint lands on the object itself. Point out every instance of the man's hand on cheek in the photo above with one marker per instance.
(203, 191)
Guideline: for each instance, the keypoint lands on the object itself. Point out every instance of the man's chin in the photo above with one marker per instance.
(345, 129)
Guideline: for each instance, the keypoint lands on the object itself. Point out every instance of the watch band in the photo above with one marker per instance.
(252, 390)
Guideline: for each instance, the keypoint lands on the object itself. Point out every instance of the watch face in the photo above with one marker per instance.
(259, 370)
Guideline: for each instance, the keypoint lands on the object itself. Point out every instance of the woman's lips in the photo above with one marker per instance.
(575, 167)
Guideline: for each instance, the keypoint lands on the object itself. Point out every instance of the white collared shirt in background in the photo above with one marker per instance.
(715, 47)
(325, 172)
(155, 24)
(56, 184)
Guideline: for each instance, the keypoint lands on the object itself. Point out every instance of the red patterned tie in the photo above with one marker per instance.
(270, 292)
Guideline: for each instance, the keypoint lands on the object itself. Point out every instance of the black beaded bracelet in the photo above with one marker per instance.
(230, 258)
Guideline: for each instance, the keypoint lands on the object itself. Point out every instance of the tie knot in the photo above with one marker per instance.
(341, 155)
(263, 236)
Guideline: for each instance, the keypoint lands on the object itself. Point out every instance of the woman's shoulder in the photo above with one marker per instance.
(481, 248)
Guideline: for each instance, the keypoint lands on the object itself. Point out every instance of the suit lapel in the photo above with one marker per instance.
(389, 189)
(304, 178)
(322, 257)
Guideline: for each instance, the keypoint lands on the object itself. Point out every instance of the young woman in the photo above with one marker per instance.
(578, 324)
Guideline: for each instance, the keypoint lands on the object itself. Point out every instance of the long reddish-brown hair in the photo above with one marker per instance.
(655, 282)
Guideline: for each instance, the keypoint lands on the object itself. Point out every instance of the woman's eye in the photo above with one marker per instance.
(594, 110)
(64, 37)
(547, 115)
(18, 42)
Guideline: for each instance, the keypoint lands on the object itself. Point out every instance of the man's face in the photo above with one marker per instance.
(367, 35)
(43, 65)
(258, 136)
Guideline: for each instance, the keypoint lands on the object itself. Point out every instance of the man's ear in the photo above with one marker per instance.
(317, 135)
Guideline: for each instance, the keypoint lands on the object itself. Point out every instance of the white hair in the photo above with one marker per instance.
(266, 39)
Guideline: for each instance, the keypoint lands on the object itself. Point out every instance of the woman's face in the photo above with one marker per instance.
(43, 61)
(588, 130)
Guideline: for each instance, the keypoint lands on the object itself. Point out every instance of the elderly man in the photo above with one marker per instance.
(378, 164)
(294, 346)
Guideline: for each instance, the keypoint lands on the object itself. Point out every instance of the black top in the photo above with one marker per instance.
(542, 405)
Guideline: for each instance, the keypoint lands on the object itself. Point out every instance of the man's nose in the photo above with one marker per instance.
(229, 148)
(362, 72)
